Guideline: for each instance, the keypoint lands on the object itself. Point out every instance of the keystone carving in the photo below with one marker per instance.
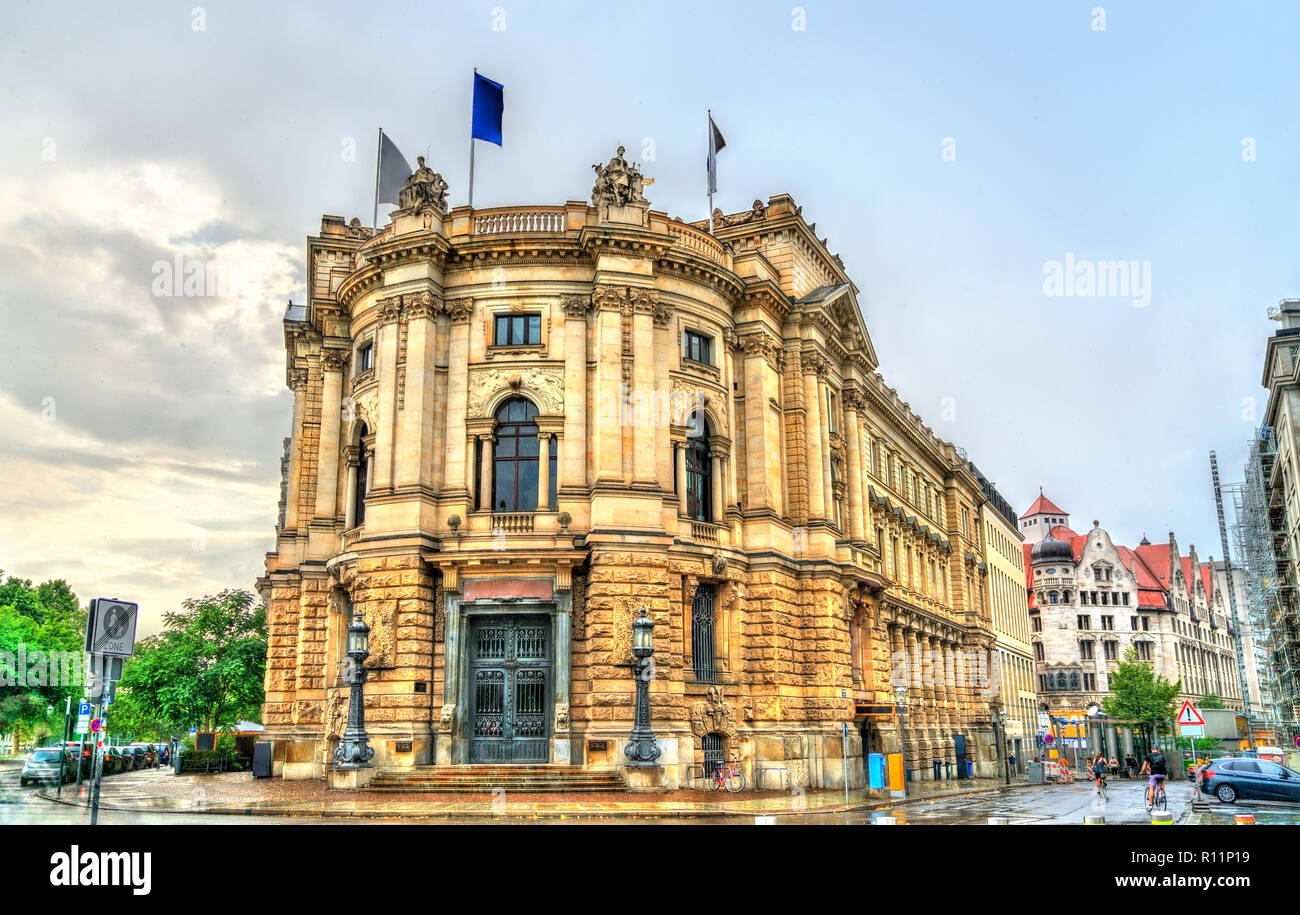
(714, 715)
(545, 385)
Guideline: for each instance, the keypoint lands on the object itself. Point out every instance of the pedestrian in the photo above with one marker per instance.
(1011, 761)
(1130, 763)
(1114, 767)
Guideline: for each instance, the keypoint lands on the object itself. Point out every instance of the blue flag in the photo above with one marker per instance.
(489, 102)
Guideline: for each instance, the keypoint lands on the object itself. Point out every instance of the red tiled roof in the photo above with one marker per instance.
(1042, 506)
(1207, 577)
(1151, 598)
(1061, 532)
(1156, 558)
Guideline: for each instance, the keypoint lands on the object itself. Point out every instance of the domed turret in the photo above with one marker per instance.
(1049, 549)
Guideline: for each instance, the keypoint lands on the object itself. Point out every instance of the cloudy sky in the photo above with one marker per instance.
(952, 152)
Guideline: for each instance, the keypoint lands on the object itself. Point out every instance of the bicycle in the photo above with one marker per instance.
(1158, 801)
(730, 778)
(1100, 793)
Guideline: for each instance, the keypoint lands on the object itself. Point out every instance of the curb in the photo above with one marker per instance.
(646, 812)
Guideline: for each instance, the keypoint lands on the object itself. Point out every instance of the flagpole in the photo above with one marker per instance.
(379, 158)
(471, 140)
(709, 177)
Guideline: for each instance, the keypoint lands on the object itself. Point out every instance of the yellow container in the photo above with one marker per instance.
(895, 764)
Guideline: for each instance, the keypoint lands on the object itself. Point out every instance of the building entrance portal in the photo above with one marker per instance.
(510, 689)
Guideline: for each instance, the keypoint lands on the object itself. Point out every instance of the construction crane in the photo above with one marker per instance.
(1232, 604)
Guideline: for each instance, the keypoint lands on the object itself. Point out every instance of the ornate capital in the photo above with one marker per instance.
(333, 360)
(390, 310)
(298, 380)
(761, 344)
(815, 363)
(546, 436)
(424, 305)
(575, 306)
(854, 401)
(608, 298)
(460, 309)
(731, 338)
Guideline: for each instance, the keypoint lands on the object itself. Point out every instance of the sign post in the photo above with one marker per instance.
(110, 637)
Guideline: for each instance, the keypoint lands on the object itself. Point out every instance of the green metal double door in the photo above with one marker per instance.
(510, 687)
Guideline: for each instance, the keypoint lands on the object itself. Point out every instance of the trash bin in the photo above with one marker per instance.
(970, 769)
(176, 762)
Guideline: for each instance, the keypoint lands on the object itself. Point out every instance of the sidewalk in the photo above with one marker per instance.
(238, 794)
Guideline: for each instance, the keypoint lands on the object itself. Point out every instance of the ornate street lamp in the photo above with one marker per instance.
(354, 750)
(641, 749)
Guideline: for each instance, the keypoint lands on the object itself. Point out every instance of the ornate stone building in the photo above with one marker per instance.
(515, 428)
(1091, 599)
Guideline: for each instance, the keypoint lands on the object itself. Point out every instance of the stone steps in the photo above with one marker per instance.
(484, 779)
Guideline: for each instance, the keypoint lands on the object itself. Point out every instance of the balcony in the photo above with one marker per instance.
(519, 221)
(512, 522)
(703, 532)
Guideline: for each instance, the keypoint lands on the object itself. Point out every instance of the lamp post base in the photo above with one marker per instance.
(645, 778)
(351, 779)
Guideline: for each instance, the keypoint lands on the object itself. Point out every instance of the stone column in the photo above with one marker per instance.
(298, 384)
(649, 376)
(715, 459)
(485, 473)
(572, 466)
(390, 311)
(823, 394)
(413, 462)
(350, 499)
(331, 416)
(561, 746)
(680, 448)
(607, 429)
(812, 366)
(445, 745)
(857, 520)
(456, 469)
(544, 471)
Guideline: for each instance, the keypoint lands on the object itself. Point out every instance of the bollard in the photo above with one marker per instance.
(998, 821)
(1094, 819)
(884, 821)
(1243, 819)
(1162, 818)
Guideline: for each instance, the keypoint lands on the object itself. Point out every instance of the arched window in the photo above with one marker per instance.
(1074, 679)
(699, 474)
(1060, 680)
(363, 476)
(514, 461)
(1053, 596)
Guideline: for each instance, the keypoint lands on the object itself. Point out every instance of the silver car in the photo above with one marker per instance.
(43, 766)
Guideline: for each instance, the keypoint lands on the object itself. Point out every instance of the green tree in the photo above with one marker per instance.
(34, 623)
(204, 669)
(1210, 700)
(1139, 694)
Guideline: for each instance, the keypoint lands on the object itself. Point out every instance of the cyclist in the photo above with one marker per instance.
(1157, 768)
(1100, 770)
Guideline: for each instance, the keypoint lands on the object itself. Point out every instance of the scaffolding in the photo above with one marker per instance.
(1260, 532)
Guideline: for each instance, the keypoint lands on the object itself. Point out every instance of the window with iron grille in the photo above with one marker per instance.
(703, 634)
(713, 745)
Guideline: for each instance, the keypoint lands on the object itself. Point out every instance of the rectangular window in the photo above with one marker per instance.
(1085, 650)
(1108, 622)
(1090, 682)
(699, 348)
(1125, 598)
(1146, 624)
(1144, 651)
(1133, 623)
(1037, 623)
(518, 330)
(1110, 650)
(832, 411)
(1042, 683)
(1082, 620)
(1038, 651)
(365, 358)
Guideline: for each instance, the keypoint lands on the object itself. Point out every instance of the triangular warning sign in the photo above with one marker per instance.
(1189, 715)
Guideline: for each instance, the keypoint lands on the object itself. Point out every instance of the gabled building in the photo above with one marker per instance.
(1090, 599)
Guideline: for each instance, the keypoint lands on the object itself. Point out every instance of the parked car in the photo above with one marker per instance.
(43, 765)
(85, 753)
(133, 759)
(150, 755)
(114, 761)
(1231, 779)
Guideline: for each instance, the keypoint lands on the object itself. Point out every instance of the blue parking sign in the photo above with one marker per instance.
(84, 709)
